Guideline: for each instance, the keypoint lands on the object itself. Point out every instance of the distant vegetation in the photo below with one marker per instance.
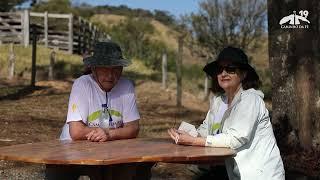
(145, 35)
(87, 11)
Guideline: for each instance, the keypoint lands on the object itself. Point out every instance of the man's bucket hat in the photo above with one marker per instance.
(236, 56)
(106, 54)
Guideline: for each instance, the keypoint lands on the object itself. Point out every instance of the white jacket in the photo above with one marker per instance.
(246, 128)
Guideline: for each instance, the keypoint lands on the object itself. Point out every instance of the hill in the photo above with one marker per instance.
(162, 33)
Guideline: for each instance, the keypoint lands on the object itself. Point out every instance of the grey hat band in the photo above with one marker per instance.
(94, 61)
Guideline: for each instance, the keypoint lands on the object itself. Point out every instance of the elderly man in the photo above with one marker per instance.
(103, 88)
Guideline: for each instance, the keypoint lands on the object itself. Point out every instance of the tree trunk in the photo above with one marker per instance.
(294, 61)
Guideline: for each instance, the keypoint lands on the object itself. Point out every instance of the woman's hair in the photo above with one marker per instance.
(251, 80)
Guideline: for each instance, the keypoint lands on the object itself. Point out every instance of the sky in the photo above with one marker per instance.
(175, 7)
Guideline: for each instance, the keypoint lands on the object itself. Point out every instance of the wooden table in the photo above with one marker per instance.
(113, 152)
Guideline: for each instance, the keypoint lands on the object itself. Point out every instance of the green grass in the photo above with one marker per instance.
(23, 59)
(71, 66)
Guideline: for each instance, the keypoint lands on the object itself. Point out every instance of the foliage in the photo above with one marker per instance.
(165, 17)
(162, 16)
(84, 10)
(54, 6)
(131, 34)
(7, 5)
(134, 36)
(221, 23)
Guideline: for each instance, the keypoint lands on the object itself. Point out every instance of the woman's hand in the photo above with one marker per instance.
(98, 135)
(181, 137)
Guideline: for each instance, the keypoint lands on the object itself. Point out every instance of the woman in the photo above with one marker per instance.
(238, 119)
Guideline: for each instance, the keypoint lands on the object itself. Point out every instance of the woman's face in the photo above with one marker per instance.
(229, 76)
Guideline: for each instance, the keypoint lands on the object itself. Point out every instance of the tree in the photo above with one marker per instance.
(164, 16)
(295, 61)
(227, 22)
(131, 33)
(7, 5)
(54, 6)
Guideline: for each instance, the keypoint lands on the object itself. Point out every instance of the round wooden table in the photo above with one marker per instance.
(113, 152)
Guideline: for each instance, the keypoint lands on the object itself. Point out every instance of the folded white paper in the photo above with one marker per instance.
(188, 128)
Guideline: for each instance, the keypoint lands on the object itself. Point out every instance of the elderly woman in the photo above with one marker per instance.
(238, 119)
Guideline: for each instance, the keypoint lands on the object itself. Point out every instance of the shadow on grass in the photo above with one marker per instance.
(17, 92)
(139, 76)
(172, 111)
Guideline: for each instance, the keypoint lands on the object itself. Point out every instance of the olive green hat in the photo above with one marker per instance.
(106, 54)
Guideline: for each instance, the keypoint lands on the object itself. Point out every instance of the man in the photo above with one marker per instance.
(103, 86)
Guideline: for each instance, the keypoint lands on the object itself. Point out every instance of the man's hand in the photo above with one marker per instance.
(98, 135)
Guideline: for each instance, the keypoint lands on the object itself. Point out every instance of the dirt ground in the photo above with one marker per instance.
(34, 115)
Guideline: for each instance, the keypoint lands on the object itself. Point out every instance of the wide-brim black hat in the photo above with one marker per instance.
(236, 56)
(106, 54)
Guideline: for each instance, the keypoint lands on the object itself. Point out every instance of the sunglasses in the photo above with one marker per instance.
(230, 69)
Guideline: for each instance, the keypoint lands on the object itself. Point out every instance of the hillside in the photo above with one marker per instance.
(193, 64)
(162, 33)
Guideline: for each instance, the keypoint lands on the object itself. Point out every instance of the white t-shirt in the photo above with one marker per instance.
(86, 99)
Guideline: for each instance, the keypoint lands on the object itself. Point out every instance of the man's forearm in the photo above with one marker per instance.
(129, 131)
(78, 130)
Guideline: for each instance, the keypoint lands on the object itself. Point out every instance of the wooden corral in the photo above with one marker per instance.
(63, 31)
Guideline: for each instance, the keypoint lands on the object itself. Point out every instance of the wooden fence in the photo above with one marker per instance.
(65, 31)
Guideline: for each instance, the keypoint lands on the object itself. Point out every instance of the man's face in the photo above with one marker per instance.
(108, 76)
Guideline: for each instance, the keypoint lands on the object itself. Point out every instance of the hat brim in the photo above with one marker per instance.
(93, 61)
(211, 69)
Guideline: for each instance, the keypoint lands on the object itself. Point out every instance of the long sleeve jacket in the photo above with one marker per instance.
(246, 128)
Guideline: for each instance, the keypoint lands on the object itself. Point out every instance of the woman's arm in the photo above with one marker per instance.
(183, 138)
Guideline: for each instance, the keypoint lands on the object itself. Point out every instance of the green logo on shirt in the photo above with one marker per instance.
(215, 126)
(95, 115)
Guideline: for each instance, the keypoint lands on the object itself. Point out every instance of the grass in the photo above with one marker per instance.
(23, 58)
(71, 66)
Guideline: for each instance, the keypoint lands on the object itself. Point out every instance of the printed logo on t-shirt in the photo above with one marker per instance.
(74, 107)
(117, 122)
(215, 126)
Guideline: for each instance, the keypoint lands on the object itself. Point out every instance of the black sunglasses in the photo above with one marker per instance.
(230, 69)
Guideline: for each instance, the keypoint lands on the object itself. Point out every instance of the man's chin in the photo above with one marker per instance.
(108, 86)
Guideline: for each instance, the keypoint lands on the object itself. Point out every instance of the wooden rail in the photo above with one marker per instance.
(73, 34)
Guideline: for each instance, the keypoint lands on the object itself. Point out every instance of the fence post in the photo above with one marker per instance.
(26, 25)
(79, 36)
(164, 70)
(45, 29)
(34, 56)
(11, 60)
(70, 48)
(90, 37)
(52, 61)
(178, 71)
